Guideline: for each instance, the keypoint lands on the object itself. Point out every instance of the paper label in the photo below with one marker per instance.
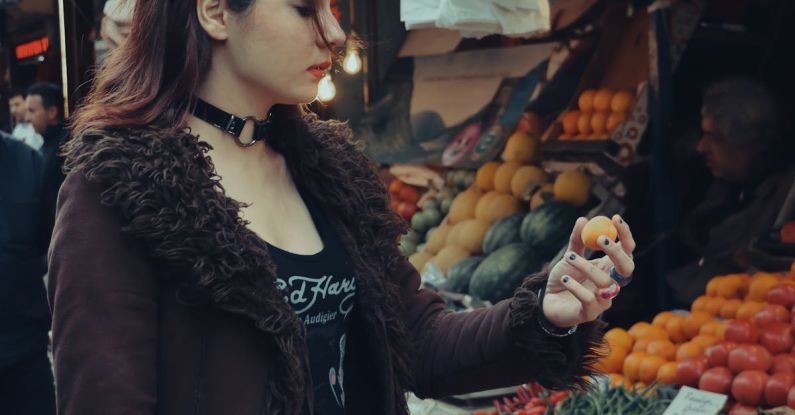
(691, 401)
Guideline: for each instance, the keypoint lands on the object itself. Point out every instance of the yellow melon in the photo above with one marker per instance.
(502, 179)
(524, 177)
(572, 187)
(522, 148)
(471, 235)
(485, 176)
(538, 197)
(502, 206)
(454, 234)
(482, 209)
(463, 206)
(419, 259)
(437, 239)
(447, 257)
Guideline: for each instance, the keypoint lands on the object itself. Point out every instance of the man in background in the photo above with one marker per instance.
(23, 131)
(750, 159)
(45, 104)
(26, 380)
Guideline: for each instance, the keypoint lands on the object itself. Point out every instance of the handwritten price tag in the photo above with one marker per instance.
(691, 401)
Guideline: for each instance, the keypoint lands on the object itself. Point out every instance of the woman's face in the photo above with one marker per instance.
(274, 46)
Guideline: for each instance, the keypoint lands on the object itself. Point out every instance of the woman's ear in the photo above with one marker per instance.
(213, 18)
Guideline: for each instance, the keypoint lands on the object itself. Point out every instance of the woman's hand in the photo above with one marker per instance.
(578, 290)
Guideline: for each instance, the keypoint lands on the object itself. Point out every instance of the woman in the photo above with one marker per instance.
(203, 264)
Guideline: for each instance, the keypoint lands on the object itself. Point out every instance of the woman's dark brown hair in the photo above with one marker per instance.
(151, 78)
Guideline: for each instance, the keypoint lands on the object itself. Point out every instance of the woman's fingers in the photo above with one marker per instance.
(583, 294)
(592, 305)
(575, 240)
(623, 263)
(624, 235)
(599, 277)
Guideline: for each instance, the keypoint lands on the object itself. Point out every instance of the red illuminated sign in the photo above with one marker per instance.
(33, 48)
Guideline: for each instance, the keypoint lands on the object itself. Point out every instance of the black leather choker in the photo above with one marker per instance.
(230, 123)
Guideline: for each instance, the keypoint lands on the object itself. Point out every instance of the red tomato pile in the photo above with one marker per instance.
(403, 198)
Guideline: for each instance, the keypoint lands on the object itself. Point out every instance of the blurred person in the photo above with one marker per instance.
(23, 130)
(45, 105)
(750, 157)
(26, 380)
(220, 250)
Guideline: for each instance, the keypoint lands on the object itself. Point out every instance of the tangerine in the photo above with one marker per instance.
(693, 322)
(761, 283)
(599, 122)
(748, 309)
(638, 329)
(689, 349)
(675, 329)
(602, 99)
(712, 286)
(714, 305)
(649, 366)
(641, 344)
(705, 340)
(667, 373)
(661, 318)
(631, 367)
(730, 308)
(612, 362)
(622, 101)
(596, 227)
(699, 303)
(662, 348)
(569, 122)
(615, 119)
(584, 123)
(585, 102)
(618, 337)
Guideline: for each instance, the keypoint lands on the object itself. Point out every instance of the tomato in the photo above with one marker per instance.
(716, 379)
(749, 357)
(769, 314)
(718, 353)
(782, 294)
(741, 331)
(395, 186)
(407, 210)
(749, 386)
(777, 388)
(791, 397)
(777, 338)
(409, 194)
(689, 371)
(783, 363)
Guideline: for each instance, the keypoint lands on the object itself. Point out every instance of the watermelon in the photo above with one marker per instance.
(458, 275)
(498, 276)
(548, 228)
(503, 232)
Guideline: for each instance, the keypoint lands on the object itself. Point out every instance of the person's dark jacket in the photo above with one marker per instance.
(52, 177)
(24, 313)
(165, 303)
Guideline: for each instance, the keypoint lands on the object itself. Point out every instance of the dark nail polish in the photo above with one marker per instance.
(607, 241)
(573, 257)
(565, 280)
(620, 220)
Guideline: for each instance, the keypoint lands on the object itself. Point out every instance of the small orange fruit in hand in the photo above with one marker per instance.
(596, 227)
(667, 373)
(569, 122)
(585, 102)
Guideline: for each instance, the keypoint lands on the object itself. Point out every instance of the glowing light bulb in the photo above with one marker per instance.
(326, 91)
(352, 63)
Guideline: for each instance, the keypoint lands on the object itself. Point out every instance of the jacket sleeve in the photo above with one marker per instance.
(462, 352)
(103, 296)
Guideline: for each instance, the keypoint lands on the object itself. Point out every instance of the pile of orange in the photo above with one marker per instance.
(650, 352)
(599, 112)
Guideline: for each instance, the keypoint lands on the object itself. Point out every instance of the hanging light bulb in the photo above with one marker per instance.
(352, 63)
(326, 91)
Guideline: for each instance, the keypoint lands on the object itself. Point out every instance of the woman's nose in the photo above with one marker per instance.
(335, 36)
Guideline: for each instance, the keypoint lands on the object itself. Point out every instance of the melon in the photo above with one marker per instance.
(419, 259)
(524, 177)
(459, 275)
(482, 209)
(498, 276)
(471, 235)
(448, 256)
(548, 228)
(437, 239)
(503, 232)
(504, 174)
(464, 205)
(572, 187)
(521, 148)
(484, 179)
(541, 195)
(453, 234)
(502, 206)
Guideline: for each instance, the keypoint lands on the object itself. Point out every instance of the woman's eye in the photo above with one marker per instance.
(304, 11)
